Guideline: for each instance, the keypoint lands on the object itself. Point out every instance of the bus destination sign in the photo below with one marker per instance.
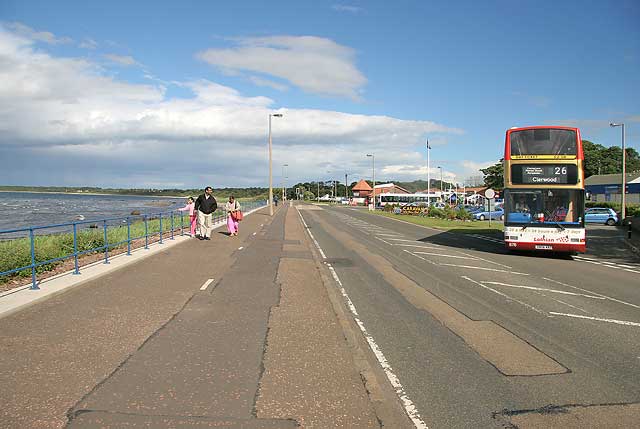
(544, 174)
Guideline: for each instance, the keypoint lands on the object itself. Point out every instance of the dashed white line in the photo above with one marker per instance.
(418, 246)
(531, 307)
(445, 256)
(206, 284)
(484, 269)
(593, 293)
(563, 292)
(598, 319)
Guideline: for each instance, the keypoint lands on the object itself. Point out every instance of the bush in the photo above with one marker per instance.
(462, 214)
(436, 212)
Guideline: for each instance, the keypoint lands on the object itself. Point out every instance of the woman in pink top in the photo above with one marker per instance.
(190, 207)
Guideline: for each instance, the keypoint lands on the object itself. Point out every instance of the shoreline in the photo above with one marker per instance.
(95, 194)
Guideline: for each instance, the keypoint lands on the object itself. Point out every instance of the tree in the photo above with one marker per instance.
(494, 176)
(607, 160)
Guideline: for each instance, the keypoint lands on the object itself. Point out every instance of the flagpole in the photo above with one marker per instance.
(428, 172)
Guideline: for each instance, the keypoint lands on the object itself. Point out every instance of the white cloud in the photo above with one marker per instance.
(314, 64)
(40, 36)
(269, 83)
(75, 124)
(88, 43)
(346, 8)
(124, 60)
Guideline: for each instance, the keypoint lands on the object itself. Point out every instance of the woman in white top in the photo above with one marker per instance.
(233, 208)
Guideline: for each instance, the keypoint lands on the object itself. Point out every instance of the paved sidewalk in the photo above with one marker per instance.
(144, 346)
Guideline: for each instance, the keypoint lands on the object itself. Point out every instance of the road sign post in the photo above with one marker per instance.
(490, 193)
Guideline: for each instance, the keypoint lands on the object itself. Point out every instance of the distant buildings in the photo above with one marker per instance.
(606, 188)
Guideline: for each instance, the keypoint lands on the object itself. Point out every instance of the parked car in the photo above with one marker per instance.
(496, 214)
(601, 215)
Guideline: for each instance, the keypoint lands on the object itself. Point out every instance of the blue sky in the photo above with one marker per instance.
(177, 94)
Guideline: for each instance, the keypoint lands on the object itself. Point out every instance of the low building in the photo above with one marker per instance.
(606, 188)
(390, 188)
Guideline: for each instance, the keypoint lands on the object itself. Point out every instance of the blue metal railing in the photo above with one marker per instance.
(114, 222)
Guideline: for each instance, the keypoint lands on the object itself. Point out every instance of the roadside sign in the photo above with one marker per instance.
(489, 193)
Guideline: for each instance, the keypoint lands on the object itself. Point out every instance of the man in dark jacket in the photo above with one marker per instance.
(205, 205)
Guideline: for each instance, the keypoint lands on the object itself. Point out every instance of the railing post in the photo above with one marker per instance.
(75, 248)
(146, 233)
(106, 243)
(182, 223)
(34, 284)
(172, 225)
(160, 228)
(128, 236)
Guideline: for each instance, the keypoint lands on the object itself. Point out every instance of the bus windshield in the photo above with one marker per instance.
(544, 206)
(543, 141)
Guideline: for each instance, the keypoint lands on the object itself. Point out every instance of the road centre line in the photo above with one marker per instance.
(390, 235)
(563, 292)
(598, 319)
(531, 307)
(408, 405)
(446, 256)
(206, 284)
(420, 257)
(483, 269)
(594, 293)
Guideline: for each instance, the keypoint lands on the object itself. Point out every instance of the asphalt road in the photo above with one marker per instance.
(478, 337)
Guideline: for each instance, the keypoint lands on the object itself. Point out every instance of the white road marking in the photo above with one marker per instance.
(418, 246)
(593, 293)
(389, 235)
(206, 284)
(563, 292)
(445, 256)
(408, 405)
(310, 234)
(384, 241)
(487, 260)
(482, 237)
(420, 257)
(598, 319)
(531, 307)
(402, 239)
(484, 269)
(608, 264)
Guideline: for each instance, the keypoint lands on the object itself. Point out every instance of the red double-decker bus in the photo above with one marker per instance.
(544, 189)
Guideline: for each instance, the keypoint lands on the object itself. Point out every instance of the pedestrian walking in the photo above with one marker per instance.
(193, 218)
(275, 200)
(205, 205)
(233, 215)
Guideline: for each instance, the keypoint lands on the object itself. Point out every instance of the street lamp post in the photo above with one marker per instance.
(624, 173)
(284, 183)
(346, 189)
(373, 191)
(277, 115)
